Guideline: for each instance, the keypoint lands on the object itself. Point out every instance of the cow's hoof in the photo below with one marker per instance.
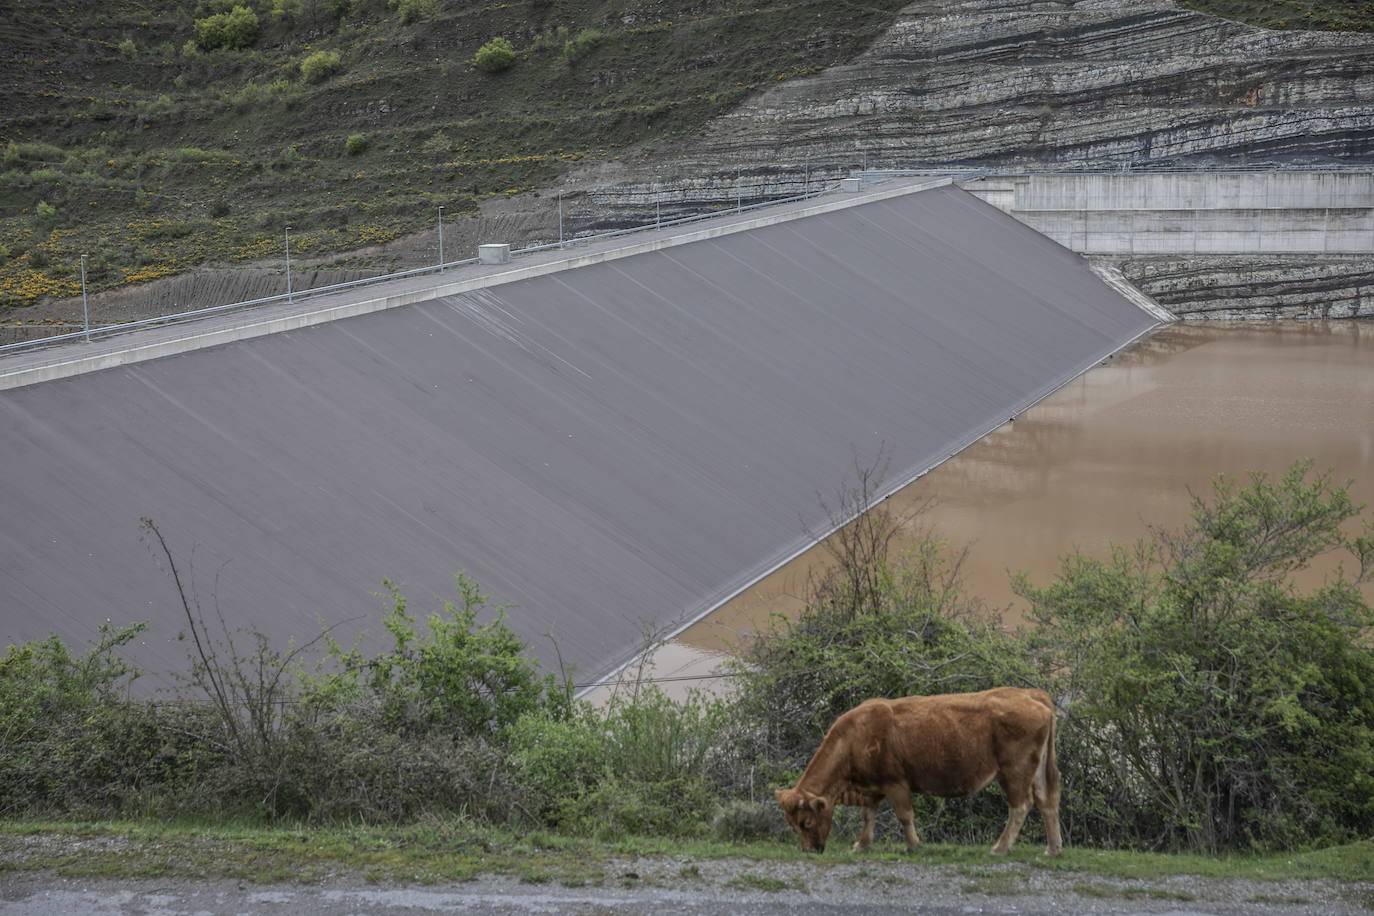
(994, 851)
(1052, 852)
(857, 848)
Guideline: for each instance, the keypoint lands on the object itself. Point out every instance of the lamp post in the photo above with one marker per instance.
(441, 238)
(288, 265)
(85, 304)
(560, 220)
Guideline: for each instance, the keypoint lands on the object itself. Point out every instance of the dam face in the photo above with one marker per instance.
(609, 449)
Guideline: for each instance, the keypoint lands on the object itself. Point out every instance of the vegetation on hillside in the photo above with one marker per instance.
(1322, 15)
(157, 135)
(1208, 703)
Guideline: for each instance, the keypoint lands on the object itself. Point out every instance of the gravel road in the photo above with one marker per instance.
(702, 887)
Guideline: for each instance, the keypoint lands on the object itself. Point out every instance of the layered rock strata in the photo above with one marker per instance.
(1257, 287)
(1093, 84)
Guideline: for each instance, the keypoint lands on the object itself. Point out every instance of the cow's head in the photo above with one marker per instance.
(809, 815)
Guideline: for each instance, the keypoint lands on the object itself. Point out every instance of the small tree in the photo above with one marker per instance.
(45, 213)
(238, 28)
(494, 56)
(127, 49)
(320, 66)
(355, 144)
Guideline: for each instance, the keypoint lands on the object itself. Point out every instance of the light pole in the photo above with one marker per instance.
(85, 304)
(560, 219)
(441, 238)
(288, 265)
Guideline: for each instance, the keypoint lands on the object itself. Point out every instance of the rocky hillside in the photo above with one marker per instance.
(1095, 84)
(667, 110)
(161, 135)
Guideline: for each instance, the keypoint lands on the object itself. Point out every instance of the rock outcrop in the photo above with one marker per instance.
(1308, 286)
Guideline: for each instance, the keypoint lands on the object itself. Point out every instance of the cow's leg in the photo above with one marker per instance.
(900, 799)
(1017, 787)
(865, 839)
(1045, 788)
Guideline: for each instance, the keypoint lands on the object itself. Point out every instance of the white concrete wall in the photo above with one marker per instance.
(1196, 191)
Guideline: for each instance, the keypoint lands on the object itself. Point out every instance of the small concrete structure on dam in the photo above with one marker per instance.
(606, 449)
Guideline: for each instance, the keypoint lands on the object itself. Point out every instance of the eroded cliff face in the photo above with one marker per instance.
(1096, 84)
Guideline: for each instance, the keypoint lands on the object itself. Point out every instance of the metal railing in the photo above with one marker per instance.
(736, 205)
(720, 207)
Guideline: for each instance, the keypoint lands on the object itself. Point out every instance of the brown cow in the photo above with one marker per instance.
(948, 745)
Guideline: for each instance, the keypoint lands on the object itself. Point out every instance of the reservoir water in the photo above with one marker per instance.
(1114, 452)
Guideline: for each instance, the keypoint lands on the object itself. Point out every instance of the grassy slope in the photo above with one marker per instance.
(158, 160)
(154, 160)
(445, 850)
(1327, 15)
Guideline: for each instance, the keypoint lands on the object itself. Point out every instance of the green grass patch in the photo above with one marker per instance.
(454, 850)
(1322, 15)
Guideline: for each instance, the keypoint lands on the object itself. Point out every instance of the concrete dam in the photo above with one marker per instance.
(608, 449)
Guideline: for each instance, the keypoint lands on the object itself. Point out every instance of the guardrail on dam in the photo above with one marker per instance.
(1204, 213)
(623, 444)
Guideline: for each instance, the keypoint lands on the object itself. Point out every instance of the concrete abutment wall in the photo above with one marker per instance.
(1273, 213)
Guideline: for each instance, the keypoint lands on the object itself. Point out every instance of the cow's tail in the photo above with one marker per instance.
(1047, 779)
(1047, 786)
(1050, 761)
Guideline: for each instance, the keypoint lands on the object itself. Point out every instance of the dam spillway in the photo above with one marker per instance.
(609, 449)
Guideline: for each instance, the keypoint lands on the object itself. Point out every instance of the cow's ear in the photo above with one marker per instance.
(816, 803)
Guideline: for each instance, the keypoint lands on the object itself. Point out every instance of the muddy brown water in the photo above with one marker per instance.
(1111, 454)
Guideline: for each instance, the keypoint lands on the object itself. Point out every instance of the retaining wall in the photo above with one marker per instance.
(1220, 213)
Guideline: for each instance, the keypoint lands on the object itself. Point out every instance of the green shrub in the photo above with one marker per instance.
(127, 49)
(17, 154)
(456, 676)
(355, 144)
(45, 213)
(550, 39)
(494, 56)
(414, 10)
(620, 805)
(581, 44)
(1211, 703)
(57, 711)
(320, 66)
(740, 821)
(237, 28)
